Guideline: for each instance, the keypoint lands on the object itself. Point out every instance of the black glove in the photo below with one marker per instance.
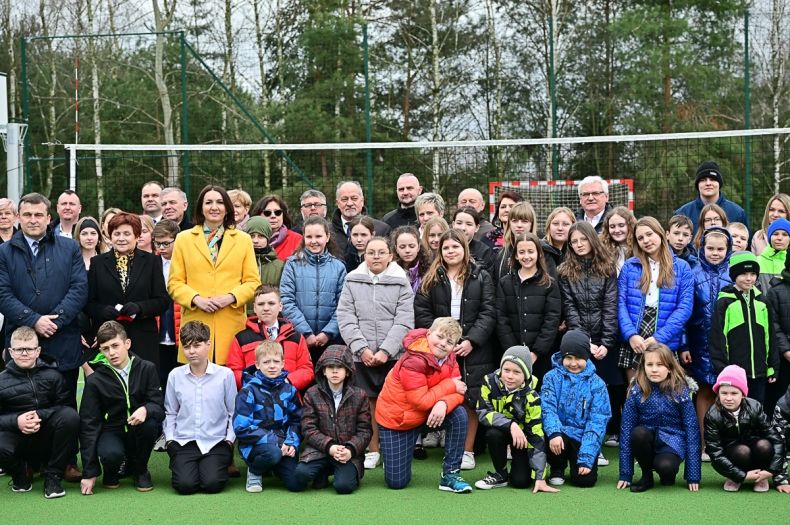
(131, 309)
(109, 312)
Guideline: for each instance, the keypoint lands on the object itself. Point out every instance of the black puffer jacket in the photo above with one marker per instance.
(554, 257)
(590, 305)
(723, 431)
(529, 314)
(778, 299)
(41, 389)
(478, 321)
(483, 255)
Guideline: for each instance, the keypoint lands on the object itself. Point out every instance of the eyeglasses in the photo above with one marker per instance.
(269, 213)
(163, 244)
(577, 242)
(313, 205)
(593, 194)
(712, 220)
(23, 351)
(377, 254)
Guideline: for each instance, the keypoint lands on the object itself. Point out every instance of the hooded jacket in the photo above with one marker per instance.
(415, 384)
(107, 402)
(709, 280)
(270, 267)
(376, 315)
(772, 264)
(723, 430)
(267, 412)
(781, 425)
(296, 356)
(323, 425)
(40, 388)
(576, 405)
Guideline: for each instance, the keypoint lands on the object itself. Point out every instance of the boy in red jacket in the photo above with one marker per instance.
(267, 324)
(424, 389)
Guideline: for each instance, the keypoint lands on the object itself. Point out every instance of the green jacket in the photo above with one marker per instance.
(499, 408)
(772, 263)
(270, 269)
(741, 333)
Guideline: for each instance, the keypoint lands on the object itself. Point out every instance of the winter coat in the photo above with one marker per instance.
(146, 288)
(674, 304)
(40, 388)
(781, 426)
(289, 245)
(500, 408)
(580, 217)
(323, 425)
(401, 216)
(270, 268)
(352, 258)
(310, 289)
(267, 412)
(723, 430)
(107, 402)
(689, 254)
(482, 255)
(338, 234)
(54, 283)
(554, 257)
(709, 279)
(376, 315)
(740, 334)
(192, 272)
(778, 300)
(673, 419)
(296, 355)
(478, 321)
(693, 208)
(590, 305)
(415, 384)
(576, 405)
(529, 313)
(772, 264)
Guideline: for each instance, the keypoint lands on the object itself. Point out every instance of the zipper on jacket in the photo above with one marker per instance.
(33, 386)
(125, 388)
(751, 335)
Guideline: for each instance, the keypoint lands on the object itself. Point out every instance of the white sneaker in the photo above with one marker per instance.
(612, 440)
(705, 457)
(431, 440)
(372, 460)
(557, 481)
(602, 461)
(160, 445)
(468, 461)
(509, 453)
(254, 482)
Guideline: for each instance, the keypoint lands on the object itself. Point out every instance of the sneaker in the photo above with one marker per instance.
(731, 486)
(453, 482)
(509, 453)
(556, 481)
(2, 473)
(72, 474)
(442, 435)
(143, 483)
(53, 488)
(431, 440)
(494, 480)
(254, 482)
(161, 444)
(612, 440)
(468, 461)
(20, 482)
(110, 482)
(420, 452)
(762, 486)
(372, 460)
(602, 461)
(705, 457)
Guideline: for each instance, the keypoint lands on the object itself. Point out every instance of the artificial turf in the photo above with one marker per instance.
(420, 502)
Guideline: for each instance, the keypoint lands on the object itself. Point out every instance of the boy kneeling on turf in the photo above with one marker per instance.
(35, 419)
(267, 419)
(199, 402)
(121, 413)
(424, 389)
(335, 425)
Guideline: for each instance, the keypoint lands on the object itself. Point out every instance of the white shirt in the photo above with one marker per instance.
(455, 301)
(651, 300)
(596, 219)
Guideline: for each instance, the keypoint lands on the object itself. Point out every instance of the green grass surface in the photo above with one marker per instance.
(421, 502)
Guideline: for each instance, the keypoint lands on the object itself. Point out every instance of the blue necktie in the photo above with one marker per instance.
(272, 331)
(34, 248)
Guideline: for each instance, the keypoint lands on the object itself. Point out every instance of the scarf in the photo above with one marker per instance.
(213, 238)
(278, 237)
(123, 264)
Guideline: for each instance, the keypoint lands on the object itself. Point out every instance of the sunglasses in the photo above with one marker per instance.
(269, 213)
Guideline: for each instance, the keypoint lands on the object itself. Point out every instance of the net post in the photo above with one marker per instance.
(15, 139)
(72, 166)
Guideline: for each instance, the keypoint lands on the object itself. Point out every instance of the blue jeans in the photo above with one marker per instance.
(269, 457)
(397, 447)
(345, 475)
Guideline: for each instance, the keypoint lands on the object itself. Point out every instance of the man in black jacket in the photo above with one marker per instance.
(36, 422)
(408, 189)
(121, 412)
(350, 203)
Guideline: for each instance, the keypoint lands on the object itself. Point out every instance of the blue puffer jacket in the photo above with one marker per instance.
(674, 304)
(674, 422)
(576, 405)
(310, 288)
(709, 279)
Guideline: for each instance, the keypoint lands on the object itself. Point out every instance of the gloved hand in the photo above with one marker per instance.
(131, 309)
(109, 312)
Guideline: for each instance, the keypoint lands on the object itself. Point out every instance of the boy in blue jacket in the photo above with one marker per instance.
(576, 410)
(267, 419)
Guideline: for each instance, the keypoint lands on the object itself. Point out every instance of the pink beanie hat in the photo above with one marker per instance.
(732, 375)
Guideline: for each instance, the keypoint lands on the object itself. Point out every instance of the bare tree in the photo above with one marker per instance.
(163, 16)
(777, 70)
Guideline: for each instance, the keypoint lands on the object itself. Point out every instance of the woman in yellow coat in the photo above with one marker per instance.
(213, 273)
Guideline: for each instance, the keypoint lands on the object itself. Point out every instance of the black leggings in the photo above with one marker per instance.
(520, 471)
(570, 455)
(666, 464)
(755, 455)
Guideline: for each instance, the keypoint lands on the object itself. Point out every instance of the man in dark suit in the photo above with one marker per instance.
(350, 203)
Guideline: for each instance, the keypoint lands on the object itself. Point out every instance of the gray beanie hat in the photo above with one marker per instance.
(521, 357)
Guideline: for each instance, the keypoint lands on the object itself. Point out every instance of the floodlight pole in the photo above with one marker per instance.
(15, 168)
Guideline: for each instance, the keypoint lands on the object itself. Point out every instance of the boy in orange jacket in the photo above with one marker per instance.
(424, 389)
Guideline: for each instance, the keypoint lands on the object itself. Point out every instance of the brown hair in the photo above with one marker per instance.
(110, 330)
(426, 230)
(701, 224)
(601, 258)
(630, 221)
(331, 246)
(229, 221)
(675, 382)
(512, 195)
(265, 201)
(194, 332)
(422, 257)
(431, 278)
(264, 289)
(545, 277)
(666, 272)
(125, 218)
(165, 228)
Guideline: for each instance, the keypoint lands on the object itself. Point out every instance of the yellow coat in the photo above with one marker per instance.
(192, 273)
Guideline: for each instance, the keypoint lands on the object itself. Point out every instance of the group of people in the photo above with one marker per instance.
(321, 349)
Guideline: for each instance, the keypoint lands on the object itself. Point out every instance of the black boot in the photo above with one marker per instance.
(646, 483)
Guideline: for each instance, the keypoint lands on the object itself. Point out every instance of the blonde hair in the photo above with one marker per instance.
(630, 222)
(426, 231)
(447, 326)
(666, 272)
(673, 385)
(242, 197)
(782, 198)
(23, 333)
(552, 215)
(715, 208)
(268, 347)
(522, 211)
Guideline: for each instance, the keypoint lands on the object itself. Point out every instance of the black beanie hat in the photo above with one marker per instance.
(575, 343)
(709, 169)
